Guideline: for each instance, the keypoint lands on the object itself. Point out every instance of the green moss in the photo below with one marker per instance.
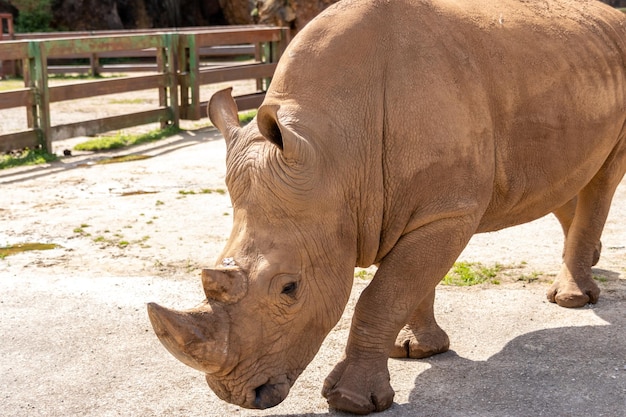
(122, 158)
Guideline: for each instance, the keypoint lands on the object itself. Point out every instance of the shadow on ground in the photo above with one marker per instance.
(555, 372)
(566, 371)
(157, 148)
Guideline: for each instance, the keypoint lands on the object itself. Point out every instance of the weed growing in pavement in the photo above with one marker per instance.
(470, 273)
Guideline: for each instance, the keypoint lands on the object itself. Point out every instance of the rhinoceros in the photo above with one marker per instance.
(392, 132)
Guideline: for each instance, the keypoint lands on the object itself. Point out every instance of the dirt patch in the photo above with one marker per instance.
(76, 339)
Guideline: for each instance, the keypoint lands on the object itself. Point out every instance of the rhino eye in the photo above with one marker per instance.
(290, 288)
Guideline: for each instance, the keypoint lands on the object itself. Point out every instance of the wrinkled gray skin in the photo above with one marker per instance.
(393, 146)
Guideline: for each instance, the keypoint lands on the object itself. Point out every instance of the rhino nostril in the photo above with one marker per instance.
(269, 395)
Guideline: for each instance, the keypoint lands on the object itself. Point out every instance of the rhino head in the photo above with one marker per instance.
(284, 277)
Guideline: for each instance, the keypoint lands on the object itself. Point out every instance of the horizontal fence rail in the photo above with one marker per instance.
(176, 60)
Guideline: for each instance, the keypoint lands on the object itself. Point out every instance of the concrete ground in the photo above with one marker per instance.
(76, 339)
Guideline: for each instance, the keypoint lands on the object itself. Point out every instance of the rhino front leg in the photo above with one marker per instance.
(421, 337)
(574, 285)
(406, 277)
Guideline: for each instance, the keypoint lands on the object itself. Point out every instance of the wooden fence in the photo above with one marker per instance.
(178, 76)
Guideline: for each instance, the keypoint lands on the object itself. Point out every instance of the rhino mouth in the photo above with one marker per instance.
(270, 395)
(266, 395)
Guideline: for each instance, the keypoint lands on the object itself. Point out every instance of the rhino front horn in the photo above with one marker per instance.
(197, 337)
(227, 284)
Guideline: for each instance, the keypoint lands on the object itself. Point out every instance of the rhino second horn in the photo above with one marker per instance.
(227, 285)
(196, 337)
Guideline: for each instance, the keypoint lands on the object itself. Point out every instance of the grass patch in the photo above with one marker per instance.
(117, 239)
(363, 274)
(219, 191)
(11, 84)
(129, 101)
(83, 76)
(600, 278)
(139, 192)
(27, 157)
(103, 143)
(530, 278)
(465, 274)
(246, 117)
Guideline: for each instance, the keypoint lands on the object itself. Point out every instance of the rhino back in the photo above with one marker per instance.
(502, 109)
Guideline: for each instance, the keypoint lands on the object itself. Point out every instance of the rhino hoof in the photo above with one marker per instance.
(359, 389)
(573, 297)
(420, 345)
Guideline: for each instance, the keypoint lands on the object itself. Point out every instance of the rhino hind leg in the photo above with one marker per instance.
(565, 216)
(574, 285)
(421, 337)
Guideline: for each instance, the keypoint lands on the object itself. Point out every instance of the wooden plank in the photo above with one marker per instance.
(12, 50)
(92, 127)
(130, 32)
(63, 46)
(103, 87)
(122, 68)
(133, 53)
(85, 69)
(249, 101)
(226, 50)
(208, 51)
(16, 98)
(19, 140)
(239, 72)
(244, 102)
(233, 37)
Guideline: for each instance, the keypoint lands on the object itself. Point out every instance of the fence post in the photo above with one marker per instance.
(8, 18)
(258, 57)
(38, 80)
(94, 64)
(28, 70)
(193, 68)
(167, 64)
(6, 67)
(172, 59)
(272, 51)
(188, 75)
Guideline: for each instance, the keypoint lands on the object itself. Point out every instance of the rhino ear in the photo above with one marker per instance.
(267, 120)
(222, 111)
(293, 146)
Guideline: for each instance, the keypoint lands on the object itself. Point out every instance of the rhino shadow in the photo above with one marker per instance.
(557, 372)
(567, 371)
